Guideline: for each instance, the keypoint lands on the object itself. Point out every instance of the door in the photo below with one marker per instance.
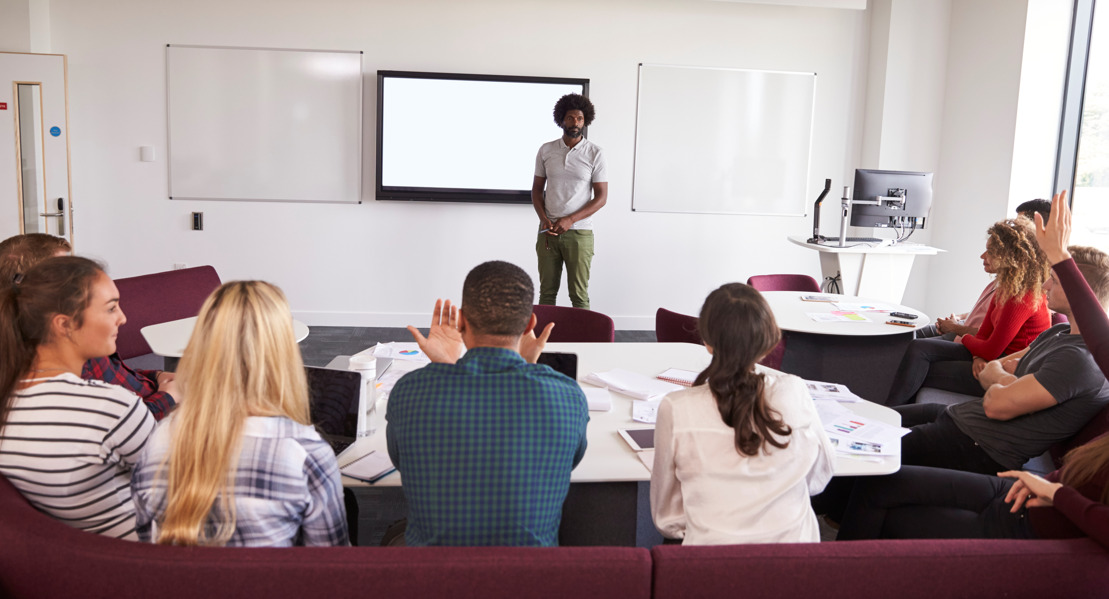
(34, 146)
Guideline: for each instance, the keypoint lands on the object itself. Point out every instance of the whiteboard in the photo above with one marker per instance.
(264, 124)
(722, 141)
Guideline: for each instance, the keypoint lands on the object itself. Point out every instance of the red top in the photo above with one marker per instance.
(1010, 327)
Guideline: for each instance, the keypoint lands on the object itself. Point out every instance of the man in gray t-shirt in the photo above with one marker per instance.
(1034, 398)
(572, 170)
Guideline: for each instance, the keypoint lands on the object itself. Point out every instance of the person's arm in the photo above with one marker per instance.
(531, 346)
(144, 383)
(991, 341)
(667, 509)
(1088, 312)
(126, 440)
(1091, 517)
(600, 197)
(537, 185)
(1012, 397)
(324, 522)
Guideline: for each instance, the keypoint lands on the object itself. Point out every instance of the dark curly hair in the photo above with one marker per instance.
(573, 102)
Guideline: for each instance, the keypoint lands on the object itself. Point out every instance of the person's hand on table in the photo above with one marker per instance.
(443, 343)
(1029, 490)
(531, 346)
(1054, 235)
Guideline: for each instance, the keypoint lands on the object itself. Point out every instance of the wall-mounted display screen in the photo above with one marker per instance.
(463, 138)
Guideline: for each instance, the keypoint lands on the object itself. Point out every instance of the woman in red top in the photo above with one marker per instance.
(1017, 314)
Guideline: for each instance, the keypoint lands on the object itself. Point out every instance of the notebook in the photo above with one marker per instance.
(333, 398)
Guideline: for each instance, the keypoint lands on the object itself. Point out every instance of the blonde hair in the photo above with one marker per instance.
(1022, 267)
(242, 360)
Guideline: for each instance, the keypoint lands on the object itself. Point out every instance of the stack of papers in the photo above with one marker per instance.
(858, 435)
(600, 400)
(632, 384)
(837, 316)
(831, 391)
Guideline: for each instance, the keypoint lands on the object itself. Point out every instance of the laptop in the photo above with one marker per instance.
(565, 363)
(333, 399)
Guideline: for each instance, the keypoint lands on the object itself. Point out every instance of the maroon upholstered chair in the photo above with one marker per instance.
(160, 297)
(781, 283)
(671, 327)
(784, 283)
(575, 324)
(43, 558)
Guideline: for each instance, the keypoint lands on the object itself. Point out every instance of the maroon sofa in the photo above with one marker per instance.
(43, 558)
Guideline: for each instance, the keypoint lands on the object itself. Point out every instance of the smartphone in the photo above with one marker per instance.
(903, 315)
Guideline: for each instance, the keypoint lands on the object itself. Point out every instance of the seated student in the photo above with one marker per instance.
(1033, 400)
(738, 455)
(1017, 314)
(156, 388)
(486, 441)
(922, 502)
(238, 463)
(66, 443)
(968, 323)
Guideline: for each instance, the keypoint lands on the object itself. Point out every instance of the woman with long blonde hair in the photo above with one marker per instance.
(239, 463)
(1017, 314)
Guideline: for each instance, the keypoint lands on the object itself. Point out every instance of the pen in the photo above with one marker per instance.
(901, 323)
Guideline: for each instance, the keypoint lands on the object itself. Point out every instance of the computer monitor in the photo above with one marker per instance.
(891, 199)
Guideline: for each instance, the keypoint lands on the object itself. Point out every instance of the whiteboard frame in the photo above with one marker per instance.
(355, 186)
(801, 201)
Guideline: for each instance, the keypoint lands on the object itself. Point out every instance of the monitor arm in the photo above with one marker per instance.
(816, 236)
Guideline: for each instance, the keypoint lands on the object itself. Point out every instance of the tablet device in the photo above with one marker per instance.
(565, 363)
(639, 438)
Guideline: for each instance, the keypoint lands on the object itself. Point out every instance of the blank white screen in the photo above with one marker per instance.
(445, 133)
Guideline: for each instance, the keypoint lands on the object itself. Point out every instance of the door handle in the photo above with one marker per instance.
(60, 214)
(51, 213)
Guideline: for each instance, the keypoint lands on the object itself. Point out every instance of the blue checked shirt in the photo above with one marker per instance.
(287, 487)
(485, 448)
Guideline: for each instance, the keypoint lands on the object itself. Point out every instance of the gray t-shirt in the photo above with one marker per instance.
(1062, 364)
(570, 174)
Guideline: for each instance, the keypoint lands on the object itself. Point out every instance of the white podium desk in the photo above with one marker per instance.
(866, 269)
(608, 458)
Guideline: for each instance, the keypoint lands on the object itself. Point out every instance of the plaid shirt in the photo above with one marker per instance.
(143, 383)
(287, 489)
(485, 448)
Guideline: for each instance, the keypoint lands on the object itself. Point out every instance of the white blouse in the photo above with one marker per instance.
(705, 492)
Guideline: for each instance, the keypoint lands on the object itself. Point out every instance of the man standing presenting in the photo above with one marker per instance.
(486, 441)
(573, 171)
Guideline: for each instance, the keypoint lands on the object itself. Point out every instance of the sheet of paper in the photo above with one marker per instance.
(600, 400)
(400, 351)
(834, 391)
(632, 384)
(859, 428)
(645, 411)
(837, 316)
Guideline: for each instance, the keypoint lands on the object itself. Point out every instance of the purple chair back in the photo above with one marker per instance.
(671, 327)
(784, 283)
(160, 297)
(575, 324)
(1058, 318)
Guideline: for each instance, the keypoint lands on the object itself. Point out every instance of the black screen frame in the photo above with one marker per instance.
(454, 194)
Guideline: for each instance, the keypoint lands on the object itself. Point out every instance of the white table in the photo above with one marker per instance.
(608, 458)
(867, 269)
(862, 355)
(168, 339)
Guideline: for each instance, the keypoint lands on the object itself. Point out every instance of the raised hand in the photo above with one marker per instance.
(1054, 235)
(530, 346)
(443, 342)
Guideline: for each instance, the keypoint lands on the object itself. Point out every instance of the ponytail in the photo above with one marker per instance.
(17, 356)
(737, 324)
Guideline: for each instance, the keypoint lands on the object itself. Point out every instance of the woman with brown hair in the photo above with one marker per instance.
(67, 444)
(738, 454)
(1016, 315)
(238, 463)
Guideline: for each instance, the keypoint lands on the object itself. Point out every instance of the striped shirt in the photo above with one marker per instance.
(68, 446)
(287, 488)
(485, 447)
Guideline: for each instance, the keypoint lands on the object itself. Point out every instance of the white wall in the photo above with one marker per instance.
(318, 254)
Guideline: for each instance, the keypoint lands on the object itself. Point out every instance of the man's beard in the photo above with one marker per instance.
(572, 132)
